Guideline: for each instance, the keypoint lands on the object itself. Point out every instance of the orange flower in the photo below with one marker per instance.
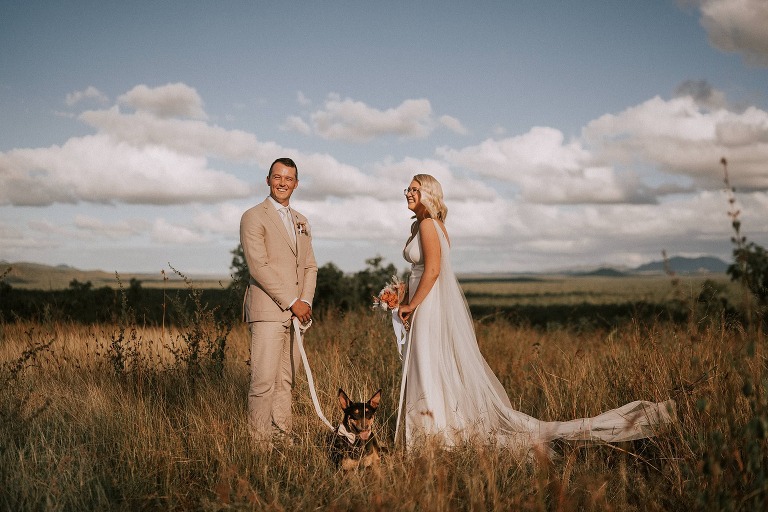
(390, 296)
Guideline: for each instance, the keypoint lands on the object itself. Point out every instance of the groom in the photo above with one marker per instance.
(278, 250)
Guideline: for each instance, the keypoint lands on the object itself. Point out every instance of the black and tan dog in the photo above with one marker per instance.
(353, 444)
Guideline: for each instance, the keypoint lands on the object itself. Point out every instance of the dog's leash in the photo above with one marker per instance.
(406, 360)
(299, 329)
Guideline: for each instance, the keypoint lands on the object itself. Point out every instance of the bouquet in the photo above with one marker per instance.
(390, 297)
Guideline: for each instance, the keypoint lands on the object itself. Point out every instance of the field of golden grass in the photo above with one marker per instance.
(114, 417)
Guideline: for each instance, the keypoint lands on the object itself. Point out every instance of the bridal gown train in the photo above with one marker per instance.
(452, 393)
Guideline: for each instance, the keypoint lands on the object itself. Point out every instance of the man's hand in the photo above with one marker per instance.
(302, 311)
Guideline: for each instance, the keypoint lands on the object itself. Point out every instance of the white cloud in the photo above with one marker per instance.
(224, 219)
(9, 231)
(97, 168)
(677, 119)
(453, 124)
(355, 218)
(89, 92)
(489, 218)
(16, 242)
(322, 176)
(738, 26)
(116, 230)
(46, 227)
(296, 124)
(499, 131)
(702, 93)
(142, 158)
(510, 158)
(547, 169)
(680, 137)
(302, 99)
(171, 100)
(515, 202)
(163, 232)
(648, 151)
(186, 136)
(355, 121)
(589, 234)
(378, 210)
(399, 174)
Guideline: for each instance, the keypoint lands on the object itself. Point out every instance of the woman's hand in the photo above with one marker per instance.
(404, 312)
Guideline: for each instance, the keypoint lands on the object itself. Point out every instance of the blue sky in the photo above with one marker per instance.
(566, 134)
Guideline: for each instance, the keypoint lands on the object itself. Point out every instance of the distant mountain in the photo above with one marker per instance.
(681, 265)
(602, 272)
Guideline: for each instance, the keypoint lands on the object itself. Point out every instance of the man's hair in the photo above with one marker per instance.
(286, 162)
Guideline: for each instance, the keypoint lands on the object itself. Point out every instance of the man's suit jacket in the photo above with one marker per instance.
(280, 271)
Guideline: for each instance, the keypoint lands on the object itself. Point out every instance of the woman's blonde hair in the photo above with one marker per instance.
(432, 196)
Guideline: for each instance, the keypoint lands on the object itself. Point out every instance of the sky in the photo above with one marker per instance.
(133, 135)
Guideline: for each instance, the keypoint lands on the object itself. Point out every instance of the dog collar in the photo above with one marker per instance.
(341, 430)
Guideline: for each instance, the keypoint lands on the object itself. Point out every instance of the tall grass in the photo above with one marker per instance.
(77, 434)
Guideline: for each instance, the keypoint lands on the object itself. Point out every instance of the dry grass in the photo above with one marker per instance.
(79, 434)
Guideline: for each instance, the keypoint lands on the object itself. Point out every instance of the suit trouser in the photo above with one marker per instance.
(274, 360)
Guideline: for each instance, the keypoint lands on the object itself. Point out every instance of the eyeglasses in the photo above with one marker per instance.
(410, 190)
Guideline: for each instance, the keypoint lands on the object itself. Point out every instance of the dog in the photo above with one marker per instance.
(353, 444)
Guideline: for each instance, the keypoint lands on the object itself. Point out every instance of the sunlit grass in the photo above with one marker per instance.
(79, 434)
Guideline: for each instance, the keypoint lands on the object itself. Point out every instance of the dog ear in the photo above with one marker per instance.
(375, 399)
(343, 399)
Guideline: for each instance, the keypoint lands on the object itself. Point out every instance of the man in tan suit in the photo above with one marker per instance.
(277, 245)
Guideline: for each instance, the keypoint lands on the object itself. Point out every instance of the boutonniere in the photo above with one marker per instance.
(302, 228)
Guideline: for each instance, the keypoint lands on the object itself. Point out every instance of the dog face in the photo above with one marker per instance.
(358, 416)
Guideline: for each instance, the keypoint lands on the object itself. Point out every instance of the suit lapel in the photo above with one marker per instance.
(277, 220)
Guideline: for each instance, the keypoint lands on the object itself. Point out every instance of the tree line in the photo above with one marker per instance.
(81, 302)
(340, 292)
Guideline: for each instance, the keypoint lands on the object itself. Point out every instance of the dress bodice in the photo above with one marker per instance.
(412, 251)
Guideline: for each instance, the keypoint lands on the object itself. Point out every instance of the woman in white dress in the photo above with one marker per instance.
(452, 395)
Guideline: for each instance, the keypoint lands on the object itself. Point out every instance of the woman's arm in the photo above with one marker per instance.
(430, 246)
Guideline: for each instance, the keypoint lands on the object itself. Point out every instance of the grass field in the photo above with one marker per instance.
(112, 417)
(499, 291)
(569, 289)
(33, 276)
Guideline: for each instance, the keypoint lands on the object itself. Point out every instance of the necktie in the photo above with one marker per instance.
(285, 213)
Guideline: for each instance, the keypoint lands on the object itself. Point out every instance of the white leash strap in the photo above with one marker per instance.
(407, 357)
(401, 333)
(298, 330)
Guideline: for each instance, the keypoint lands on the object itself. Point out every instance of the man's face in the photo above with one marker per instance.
(282, 182)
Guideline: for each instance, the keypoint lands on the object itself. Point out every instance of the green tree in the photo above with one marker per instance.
(77, 286)
(370, 281)
(750, 266)
(750, 261)
(335, 289)
(239, 269)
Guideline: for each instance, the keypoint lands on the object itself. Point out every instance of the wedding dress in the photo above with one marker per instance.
(452, 393)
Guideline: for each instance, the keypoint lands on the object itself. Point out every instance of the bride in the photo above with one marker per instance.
(451, 394)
